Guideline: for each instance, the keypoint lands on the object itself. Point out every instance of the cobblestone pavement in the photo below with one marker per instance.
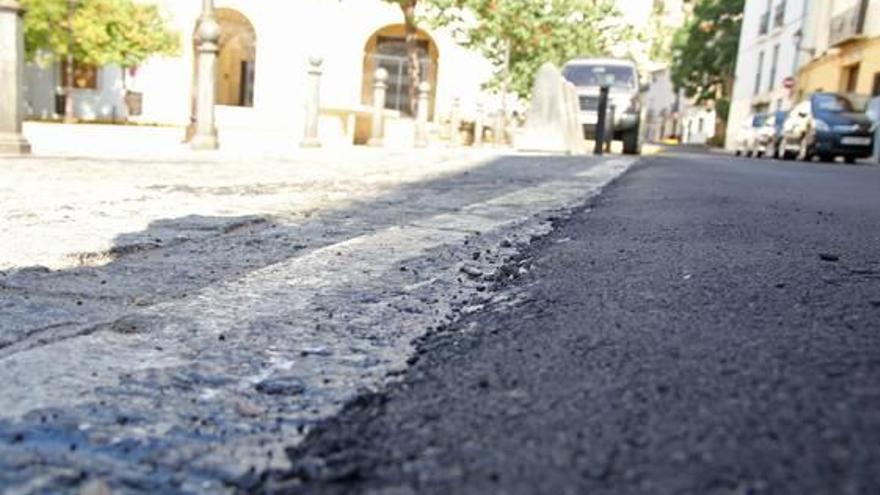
(172, 325)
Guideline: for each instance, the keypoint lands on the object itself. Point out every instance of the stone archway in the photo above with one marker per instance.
(236, 61)
(386, 48)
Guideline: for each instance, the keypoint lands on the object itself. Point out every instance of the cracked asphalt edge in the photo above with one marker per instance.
(253, 364)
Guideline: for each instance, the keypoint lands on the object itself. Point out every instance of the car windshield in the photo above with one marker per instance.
(595, 75)
(832, 103)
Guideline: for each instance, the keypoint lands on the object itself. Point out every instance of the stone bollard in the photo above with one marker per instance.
(421, 140)
(455, 123)
(500, 128)
(11, 78)
(380, 85)
(205, 137)
(478, 126)
(313, 104)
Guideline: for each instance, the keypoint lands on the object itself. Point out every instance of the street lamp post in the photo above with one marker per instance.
(205, 137)
(11, 78)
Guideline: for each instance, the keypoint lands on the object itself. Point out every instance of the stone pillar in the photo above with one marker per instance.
(500, 127)
(11, 78)
(422, 117)
(313, 104)
(478, 126)
(380, 85)
(205, 137)
(455, 123)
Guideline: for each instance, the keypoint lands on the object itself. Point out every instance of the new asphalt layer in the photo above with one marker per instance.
(707, 326)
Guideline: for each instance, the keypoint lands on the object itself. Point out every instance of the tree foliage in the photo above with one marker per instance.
(534, 31)
(122, 32)
(704, 52)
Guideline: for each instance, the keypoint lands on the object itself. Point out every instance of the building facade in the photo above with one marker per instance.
(842, 38)
(770, 53)
(262, 70)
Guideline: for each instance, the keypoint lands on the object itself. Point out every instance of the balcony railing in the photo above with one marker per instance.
(847, 25)
(764, 27)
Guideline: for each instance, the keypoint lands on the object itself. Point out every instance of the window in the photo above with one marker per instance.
(829, 102)
(765, 24)
(391, 55)
(850, 79)
(779, 15)
(85, 76)
(775, 61)
(597, 75)
(758, 74)
(875, 91)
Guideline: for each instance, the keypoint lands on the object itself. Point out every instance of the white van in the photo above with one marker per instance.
(625, 97)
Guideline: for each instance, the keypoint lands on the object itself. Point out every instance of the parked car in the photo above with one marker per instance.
(746, 140)
(873, 112)
(625, 96)
(769, 135)
(827, 125)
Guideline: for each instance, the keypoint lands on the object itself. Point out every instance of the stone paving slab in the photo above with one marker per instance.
(187, 355)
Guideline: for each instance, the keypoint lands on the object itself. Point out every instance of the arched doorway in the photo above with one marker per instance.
(236, 61)
(387, 48)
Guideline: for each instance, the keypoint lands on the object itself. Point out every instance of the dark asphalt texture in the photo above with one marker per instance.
(709, 326)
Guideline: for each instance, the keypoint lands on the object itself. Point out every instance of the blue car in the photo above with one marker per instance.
(827, 126)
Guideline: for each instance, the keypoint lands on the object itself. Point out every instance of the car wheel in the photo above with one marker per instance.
(826, 158)
(759, 154)
(631, 142)
(850, 160)
(738, 153)
(749, 153)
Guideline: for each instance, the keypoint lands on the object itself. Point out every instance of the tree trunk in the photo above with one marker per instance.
(412, 53)
(68, 76)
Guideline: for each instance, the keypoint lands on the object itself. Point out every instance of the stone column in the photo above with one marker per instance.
(422, 117)
(11, 78)
(380, 85)
(478, 126)
(455, 123)
(500, 126)
(205, 137)
(313, 104)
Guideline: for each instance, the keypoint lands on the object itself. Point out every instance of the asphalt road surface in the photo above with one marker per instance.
(708, 326)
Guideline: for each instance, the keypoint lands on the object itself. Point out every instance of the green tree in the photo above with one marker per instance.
(704, 54)
(95, 32)
(520, 35)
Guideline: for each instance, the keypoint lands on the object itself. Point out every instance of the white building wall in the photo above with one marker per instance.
(660, 105)
(287, 34)
(771, 95)
(697, 125)
(105, 102)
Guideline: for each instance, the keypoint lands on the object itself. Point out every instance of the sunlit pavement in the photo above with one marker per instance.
(173, 322)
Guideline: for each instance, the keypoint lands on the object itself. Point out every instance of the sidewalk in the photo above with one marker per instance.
(200, 316)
